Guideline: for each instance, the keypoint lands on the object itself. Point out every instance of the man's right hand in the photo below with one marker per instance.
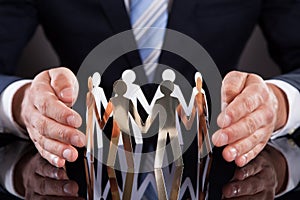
(43, 109)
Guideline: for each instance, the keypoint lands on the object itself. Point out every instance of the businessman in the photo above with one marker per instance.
(254, 110)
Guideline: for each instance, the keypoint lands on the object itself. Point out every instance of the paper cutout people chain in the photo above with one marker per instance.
(168, 102)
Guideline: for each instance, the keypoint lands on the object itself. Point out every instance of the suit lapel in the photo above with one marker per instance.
(118, 18)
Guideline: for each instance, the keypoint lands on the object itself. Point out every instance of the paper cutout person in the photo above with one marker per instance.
(169, 75)
(203, 136)
(91, 114)
(100, 98)
(200, 104)
(166, 107)
(122, 108)
(135, 93)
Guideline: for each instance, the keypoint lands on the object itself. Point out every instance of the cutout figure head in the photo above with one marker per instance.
(120, 87)
(198, 81)
(90, 84)
(167, 87)
(128, 76)
(168, 75)
(96, 79)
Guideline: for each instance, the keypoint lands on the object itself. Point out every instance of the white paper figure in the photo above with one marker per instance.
(100, 98)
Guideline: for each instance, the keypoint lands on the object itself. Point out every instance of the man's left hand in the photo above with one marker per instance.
(251, 111)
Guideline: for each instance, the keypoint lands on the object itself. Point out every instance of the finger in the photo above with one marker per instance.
(59, 149)
(52, 129)
(252, 97)
(52, 159)
(244, 128)
(245, 145)
(44, 169)
(233, 84)
(65, 84)
(251, 186)
(263, 116)
(50, 106)
(48, 186)
(243, 159)
(251, 169)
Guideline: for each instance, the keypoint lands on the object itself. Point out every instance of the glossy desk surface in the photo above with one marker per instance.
(208, 179)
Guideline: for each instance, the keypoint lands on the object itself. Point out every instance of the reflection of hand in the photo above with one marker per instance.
(43, 181)
(253, 110)
(43, 108)
(262, 178)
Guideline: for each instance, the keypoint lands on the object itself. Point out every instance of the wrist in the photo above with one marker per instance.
(282, 108)
(17, 104)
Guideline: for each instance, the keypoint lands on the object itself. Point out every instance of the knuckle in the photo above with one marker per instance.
(41, 142)
(231, 113)
(41, 126)
(62, 134)
(269, 115)
(251, 125)
(249, 103)
(42, 106)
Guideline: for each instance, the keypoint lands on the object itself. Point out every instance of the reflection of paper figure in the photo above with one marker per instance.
(100, 98)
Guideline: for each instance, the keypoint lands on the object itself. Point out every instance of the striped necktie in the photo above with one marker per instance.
(146, 14)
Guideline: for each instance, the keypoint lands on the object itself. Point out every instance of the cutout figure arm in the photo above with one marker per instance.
(103, 98)
(192, 101)
(145, 128)
(187, 121)
(205, 107)
(136, 116)
(106, 115)
(178, 94)
(142, 99)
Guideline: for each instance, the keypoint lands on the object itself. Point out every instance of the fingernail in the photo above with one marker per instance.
(66, 93)
(67, 154)
(245, 173)
(235, 191)
(243, 160)
(233, 152)
(68, 189)
(54, 160)
(77, 141)
(72, 121)
(220, 139)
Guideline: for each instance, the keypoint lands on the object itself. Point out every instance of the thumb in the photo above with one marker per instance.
(65, 85)
(233, 84)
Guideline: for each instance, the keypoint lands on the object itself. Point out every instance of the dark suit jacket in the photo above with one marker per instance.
(222, 27)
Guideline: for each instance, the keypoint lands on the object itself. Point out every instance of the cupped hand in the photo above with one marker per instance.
(251, 111)
(46, 114)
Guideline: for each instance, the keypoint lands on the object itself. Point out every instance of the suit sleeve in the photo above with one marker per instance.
(18, 21)
(280, 23)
